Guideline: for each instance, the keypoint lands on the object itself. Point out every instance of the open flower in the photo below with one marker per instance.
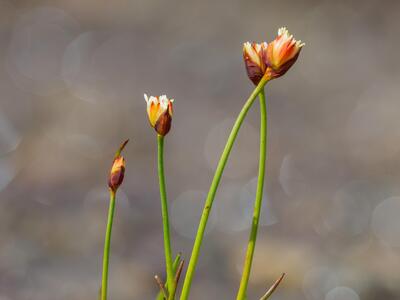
(159, 111)
(253, 55)
(282, 52)
(117, 169)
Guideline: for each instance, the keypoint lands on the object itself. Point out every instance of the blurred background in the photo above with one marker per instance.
(72, 79)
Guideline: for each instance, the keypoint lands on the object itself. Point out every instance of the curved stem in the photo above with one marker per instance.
(106, 255)
(164, 212)
(258, 201)
(213, 188)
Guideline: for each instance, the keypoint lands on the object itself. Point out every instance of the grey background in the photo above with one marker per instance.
(72, 78)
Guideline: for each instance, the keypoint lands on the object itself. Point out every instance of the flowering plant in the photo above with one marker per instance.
(263, 62)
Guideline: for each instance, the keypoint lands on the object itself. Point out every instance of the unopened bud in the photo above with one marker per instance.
(117, 170)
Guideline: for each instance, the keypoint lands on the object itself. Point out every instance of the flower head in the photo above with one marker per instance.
(282, 52)
(117, 169)
(253, 55)
(159, 111)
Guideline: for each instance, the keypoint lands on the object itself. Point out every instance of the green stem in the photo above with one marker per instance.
(258, 201)
(106, 255)
(213, 188)
(164, 212)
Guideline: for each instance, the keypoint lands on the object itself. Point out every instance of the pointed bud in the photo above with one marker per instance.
(159, 111)
(253, 54)
(282, 53)
(117, 169)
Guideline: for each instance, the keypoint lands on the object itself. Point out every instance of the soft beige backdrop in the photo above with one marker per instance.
(72, 79)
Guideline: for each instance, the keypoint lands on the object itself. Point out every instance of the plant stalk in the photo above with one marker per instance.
(214, 185)
(165, 218)
(258, 201)
(107, 243)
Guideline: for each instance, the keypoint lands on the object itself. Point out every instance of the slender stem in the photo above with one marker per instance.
(213, 188)
(164, 212)
(106, 255)
(258, 201)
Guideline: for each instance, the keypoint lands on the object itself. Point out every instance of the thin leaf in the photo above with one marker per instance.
(272, 288)
(175, 268)
(161, 286)
(118, 153)
(177, 276)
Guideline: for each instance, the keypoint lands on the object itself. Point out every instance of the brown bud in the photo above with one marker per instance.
(117, 173)
(117, 170)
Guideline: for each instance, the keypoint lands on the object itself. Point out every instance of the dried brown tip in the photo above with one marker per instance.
(161, 286)
(179, 271)
(118, 153)
(273, 287)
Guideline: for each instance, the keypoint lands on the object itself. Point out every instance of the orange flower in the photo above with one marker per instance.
(117, 169)
(159, 111)
(282, 53)
(253, 55)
